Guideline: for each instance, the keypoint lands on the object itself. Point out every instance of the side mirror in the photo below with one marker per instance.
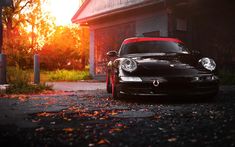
(112, 54)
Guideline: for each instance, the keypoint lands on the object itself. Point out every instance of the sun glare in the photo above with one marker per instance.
(62, 10)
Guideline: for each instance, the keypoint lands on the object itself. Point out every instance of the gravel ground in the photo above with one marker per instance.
(92, 118)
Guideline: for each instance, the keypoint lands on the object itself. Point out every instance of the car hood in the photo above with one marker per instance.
(167, 65)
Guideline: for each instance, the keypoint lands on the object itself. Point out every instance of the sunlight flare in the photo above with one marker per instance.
(62, 10)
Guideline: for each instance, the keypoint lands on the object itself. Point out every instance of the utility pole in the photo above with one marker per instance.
(3, 3)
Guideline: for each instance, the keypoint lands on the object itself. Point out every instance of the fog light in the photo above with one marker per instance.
(214, 77)
(196, 78)
(131, 79)
(209, 78)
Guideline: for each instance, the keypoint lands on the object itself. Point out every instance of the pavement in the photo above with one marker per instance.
(75, 86)
(85, 115)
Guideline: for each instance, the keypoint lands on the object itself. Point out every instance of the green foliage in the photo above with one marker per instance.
(17, 77)
(227, 77)
(68, 75)
(19, 82)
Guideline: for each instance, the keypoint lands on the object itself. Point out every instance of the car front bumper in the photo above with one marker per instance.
(165, 86)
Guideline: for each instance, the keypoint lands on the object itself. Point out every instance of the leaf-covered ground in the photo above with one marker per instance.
(92, 118)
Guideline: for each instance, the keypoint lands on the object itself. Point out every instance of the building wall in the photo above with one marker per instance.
(157, 22)
(110, 38)
(109, 35)
(92, 52)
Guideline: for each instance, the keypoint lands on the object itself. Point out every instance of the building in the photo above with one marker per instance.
(111, 21)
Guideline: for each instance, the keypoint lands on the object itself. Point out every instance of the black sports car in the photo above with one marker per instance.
(159, 67)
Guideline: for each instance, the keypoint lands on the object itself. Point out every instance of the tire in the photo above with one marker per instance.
(116, 93)
(108, 84)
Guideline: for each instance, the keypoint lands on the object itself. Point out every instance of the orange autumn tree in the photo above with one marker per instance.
(40, 26)
(63, 50)
(26, 27)
(15, 44)
(30, 29)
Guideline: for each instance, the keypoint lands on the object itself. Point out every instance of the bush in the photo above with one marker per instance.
(17, 77)
(19, 82)
(68, 75)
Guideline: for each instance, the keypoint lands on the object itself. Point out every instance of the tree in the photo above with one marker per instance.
(65, 49)
(41, 25)
(13, 19)
(26, 27)
(13, 16)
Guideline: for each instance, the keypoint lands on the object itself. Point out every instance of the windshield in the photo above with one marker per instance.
(153, 47)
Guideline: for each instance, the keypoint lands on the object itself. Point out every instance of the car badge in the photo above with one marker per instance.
(172, 65)
(156, 83)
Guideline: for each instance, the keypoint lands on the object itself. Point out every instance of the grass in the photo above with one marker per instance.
(62, 75)
(68, 75)
(27, 89)
(227, 77)
(19, 82)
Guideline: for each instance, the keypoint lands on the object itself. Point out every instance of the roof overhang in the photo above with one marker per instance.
(86, 20)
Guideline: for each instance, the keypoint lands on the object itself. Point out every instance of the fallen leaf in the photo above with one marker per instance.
(96, 113)
(103, 141)
(40, 129)
(52, 123)
(91, 144)
(173, 139)
(68, 129)
(119, 125)
(161, 129)
(45, 114)
(67, 119)
(114, 130)
(35, 121)
(157, 116)
(113, 112)
(22, 98)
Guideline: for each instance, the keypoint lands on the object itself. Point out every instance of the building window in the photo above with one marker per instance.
(181, 24)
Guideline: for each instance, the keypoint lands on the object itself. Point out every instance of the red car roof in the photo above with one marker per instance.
(132, 40)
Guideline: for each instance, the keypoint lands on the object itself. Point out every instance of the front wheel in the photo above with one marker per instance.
(116, 92)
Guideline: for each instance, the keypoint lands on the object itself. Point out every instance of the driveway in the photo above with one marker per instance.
(92, 118)
(75, 86)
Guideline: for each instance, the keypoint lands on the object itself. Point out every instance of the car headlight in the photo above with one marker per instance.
(208, 63)
(128, 65)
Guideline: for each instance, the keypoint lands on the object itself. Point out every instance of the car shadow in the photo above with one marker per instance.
(170, 100)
